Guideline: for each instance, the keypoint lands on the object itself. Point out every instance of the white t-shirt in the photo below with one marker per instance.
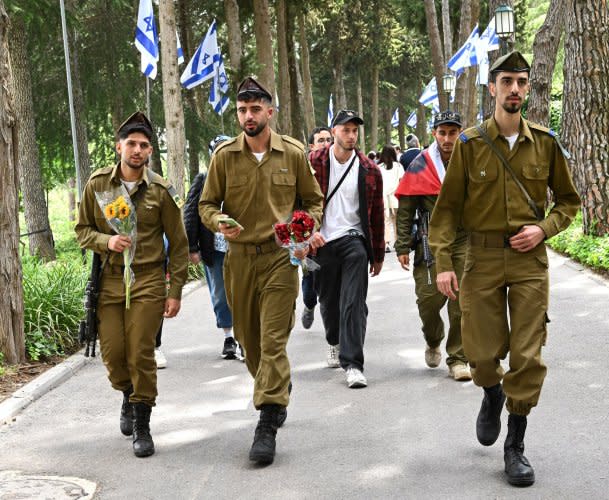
(259, 156)
(342, 213)
(512, 140)
(129, 185)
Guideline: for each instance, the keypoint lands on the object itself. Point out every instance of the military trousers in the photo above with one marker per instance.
(430, 303)
(261, 289)
(504, 303)
(127, 337)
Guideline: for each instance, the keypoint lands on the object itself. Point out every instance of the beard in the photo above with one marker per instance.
(344, 145)
(512, 107)
(253, 133)
(137, 166)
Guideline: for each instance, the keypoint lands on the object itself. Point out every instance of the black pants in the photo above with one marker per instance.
(342, 287)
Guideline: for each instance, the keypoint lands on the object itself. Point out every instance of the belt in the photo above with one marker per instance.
(489, 239)
(135, 268)
(253, 248)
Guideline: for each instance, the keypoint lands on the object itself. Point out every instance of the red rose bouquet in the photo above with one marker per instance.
(295, 235)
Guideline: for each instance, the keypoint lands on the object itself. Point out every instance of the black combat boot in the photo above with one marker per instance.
(263, 447)
(143, 446)
(517, 468)
(127, 413)
(488, 424)
(283, 410)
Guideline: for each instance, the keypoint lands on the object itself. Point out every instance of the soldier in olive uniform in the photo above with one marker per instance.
(417, 194)
(127, 336)
(506, 265)
(255, 179)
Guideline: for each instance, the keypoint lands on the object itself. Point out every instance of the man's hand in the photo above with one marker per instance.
(375, 268)
(301, 253)
(404, 261)
(194, 257)
(317, 241)
(447, 284)
(527, 238)
(172, 307)
(229, 232)
(118, 243)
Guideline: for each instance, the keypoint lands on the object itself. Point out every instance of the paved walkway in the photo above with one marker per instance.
(410, 434)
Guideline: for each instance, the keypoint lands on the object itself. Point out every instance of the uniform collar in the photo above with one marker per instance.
(240, 144)
(116, 178)
(493, 130)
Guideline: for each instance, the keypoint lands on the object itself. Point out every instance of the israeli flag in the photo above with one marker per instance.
(412, 120)
(203, 64)
(395, 119)
(330, 112)
(146, 38)
(467, 55)
(489, 40)
(430, 94)
(219, 87)
(180, 51)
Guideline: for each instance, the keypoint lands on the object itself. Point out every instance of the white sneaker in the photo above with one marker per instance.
(159, 357)
(332, 358)
(433, 356)
(355, 378)
(459, 371)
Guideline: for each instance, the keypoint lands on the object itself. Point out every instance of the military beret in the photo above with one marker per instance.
(250, 88)
(513, 62)
(137, 122)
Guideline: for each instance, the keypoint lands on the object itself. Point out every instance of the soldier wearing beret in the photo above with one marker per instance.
(255, 179)
(127, 336)
(504, 289)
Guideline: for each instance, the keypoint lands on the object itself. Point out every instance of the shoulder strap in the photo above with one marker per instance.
(531, 203)
(329, 197)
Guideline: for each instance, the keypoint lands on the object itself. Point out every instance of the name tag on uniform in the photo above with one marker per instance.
(284, 170)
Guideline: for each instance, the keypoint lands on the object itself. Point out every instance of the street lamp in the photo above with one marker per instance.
(504, 25)
(449, 83)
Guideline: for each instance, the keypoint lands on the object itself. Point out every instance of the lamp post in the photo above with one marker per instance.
(449, 83)
(504, 25)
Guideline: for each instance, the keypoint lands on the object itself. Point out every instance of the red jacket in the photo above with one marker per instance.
(370, 190)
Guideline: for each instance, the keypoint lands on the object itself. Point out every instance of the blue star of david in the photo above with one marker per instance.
(205, 57)
(222, 78)
(149, 23)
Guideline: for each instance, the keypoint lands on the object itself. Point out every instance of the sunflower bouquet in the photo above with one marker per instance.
(119, 211)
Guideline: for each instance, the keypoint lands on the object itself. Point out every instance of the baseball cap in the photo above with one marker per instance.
(346, 116)
(447, 117)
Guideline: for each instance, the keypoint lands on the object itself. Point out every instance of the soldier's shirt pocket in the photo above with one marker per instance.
(235, 184)
(148, 211)
(283, 188)
(537, 172)
(482, 174)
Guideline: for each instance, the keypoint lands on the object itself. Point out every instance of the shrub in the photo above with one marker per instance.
(53, 300)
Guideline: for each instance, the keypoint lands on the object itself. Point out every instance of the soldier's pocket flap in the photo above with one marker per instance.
(484, 173)
(236, 180)
(281, 179)
(469, 263)
(536, 172)
(543, 260)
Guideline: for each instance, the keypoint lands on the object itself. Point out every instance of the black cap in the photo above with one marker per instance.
(251, 89)
(137, 122)
(513, 62)
(447, 117)
(346, 116)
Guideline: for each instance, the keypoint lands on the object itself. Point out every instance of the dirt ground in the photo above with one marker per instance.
(19, 375)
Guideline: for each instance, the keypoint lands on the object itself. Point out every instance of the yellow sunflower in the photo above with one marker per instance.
(123, 210)
(110, 211)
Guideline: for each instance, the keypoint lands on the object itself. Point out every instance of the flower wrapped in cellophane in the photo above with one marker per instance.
(295, 235)
(119, 211)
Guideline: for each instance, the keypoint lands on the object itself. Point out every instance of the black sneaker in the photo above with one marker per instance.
(230, 348)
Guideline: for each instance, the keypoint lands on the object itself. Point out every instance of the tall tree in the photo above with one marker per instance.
(296, 116)
(172, 97)
(360, 112)
(465, 28)
(35, 211)
(545, 48)
(12, 336)
(284, 117)
(585, 111)
(309, 107)
(447, 32)
(264, 45)
(235, 46)
(437, 54)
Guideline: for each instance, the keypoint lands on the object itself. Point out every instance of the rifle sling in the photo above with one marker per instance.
(531, 203)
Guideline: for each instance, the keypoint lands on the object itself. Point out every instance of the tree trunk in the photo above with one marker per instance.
(296, 117)
(235, 47)
(339, 83)
(374, 122)
(309, 109)
(448, 43)
(35, 209)
(172, 97)
(545, 48)
(437, 57)
(264, 46)
(421, 131)
(72, 199)
(194, 151)
(585, 111)
(402, 117)
(387, 112)
(12, 336)
(284, 117)
(360, 112)
(465, 28)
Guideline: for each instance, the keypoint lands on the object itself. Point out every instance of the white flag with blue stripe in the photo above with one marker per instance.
(412, 120)
(146, 38)
(395, 119)
(489, 40)
(467, 55)
(330, 112)
(219, 87)
(180, 50)
(203, 64)
(430, 94)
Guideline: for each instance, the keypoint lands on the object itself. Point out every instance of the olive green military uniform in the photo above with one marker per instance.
(480, 193)
(127, 336)
(261, 284)
(429, 300)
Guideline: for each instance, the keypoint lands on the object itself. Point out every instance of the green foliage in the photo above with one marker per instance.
(53, 295)
(2, 369)
(590, 250)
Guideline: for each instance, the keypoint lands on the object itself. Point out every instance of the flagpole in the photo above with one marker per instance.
(222, 121)
(148, 98)
(66, 51)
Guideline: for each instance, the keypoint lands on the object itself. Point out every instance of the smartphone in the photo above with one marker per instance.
(230, 221)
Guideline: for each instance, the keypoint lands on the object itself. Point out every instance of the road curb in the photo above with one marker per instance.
(38, 387)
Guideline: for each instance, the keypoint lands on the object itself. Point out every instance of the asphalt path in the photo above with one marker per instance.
(409, 434)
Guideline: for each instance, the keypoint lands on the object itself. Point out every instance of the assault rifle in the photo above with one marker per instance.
(424, 236)
(87, 333)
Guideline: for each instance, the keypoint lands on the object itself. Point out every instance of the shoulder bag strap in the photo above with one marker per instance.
(531, 203)
(329, 197)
